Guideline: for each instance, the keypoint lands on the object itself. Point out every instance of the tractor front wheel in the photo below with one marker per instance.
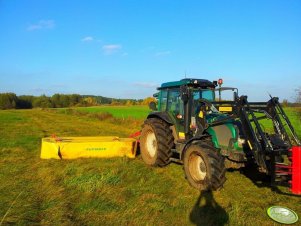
(156, 142)
(204, 167)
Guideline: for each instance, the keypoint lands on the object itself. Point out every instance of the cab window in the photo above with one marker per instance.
(163, 100)
(175, 103)
(205, 94)
(208, 94)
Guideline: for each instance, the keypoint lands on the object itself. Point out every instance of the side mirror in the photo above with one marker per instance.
(152, 105)
(235, 96)
(184, 93)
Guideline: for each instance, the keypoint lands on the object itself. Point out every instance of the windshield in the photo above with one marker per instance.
(207, 94)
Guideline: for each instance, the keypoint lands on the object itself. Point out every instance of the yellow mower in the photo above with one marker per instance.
(87, 147)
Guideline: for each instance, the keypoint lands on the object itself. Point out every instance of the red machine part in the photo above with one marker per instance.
(293, 169)
(56, 138)
(136, 135)
(296, 170)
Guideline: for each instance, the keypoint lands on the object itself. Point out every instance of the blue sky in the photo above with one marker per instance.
(125, 49)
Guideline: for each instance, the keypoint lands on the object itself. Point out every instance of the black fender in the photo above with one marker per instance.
(194, 140)
(161, 115)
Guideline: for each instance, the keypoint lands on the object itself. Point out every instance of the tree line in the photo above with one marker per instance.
(12, 101)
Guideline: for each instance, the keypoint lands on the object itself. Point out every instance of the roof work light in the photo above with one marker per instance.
(220, 82)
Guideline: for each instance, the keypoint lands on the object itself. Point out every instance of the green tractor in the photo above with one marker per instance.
(207, 136)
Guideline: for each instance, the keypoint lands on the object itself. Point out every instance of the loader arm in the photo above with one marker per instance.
(267, 148)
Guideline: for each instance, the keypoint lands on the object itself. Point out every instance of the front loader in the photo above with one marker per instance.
(207, 136)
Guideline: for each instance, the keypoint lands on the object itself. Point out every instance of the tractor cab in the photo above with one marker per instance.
(179, 101)
(188, 105)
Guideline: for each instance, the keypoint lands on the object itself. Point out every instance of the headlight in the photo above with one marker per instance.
(241, 141)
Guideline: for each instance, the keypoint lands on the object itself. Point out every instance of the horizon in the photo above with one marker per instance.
(125, 49)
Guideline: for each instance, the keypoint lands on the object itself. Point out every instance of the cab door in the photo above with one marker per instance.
(175, 108)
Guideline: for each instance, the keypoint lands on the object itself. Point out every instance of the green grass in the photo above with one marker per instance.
(117, 191)
(137, 112)
(295, 117)
(294, 114)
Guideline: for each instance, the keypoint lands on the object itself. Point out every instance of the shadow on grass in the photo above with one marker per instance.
(262, 180)
(206, 211)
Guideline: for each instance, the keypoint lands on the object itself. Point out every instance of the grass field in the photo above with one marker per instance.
(137, 112)
(116, 191)
(294, 115)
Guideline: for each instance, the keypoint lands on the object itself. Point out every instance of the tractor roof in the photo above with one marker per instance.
(203, 83)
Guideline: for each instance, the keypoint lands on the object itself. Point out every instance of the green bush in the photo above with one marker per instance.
(8, 100)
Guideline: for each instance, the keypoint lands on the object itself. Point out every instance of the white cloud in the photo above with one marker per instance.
(111, 49)
(42, 24)
(163, 53)
(146, 84)
(87, 39)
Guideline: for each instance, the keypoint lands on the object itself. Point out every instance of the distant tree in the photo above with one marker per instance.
(139, 102)
(89, 101)
(25, 101)
(147, 100)
(129, 103)
(8, 100)
(105, 100)
(285, 103)
(115, 102)
(74, 99)
(298, 95)
(42, 102)
(99, 99)
(56, 100)
(65, 100)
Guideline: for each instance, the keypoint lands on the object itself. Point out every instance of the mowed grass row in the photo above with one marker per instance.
(116, 191)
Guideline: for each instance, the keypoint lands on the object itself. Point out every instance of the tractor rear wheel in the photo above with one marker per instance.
(204, 167)
(156, 142)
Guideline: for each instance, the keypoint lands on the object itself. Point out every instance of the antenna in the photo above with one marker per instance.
(270, 95)
(185, 74)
